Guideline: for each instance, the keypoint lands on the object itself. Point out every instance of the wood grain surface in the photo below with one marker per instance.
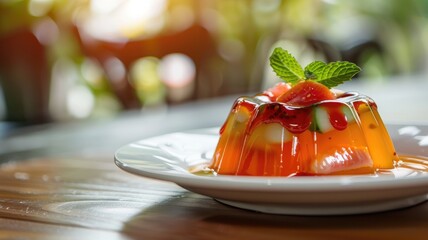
(87, 198)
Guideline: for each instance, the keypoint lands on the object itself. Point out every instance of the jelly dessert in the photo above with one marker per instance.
(304, 126)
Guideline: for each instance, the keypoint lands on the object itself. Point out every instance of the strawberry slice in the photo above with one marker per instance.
(306, 93)
(274, 92)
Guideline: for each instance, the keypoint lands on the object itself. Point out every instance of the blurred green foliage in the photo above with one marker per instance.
(384, 37)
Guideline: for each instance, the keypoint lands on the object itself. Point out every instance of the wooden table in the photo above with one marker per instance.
(60, 182)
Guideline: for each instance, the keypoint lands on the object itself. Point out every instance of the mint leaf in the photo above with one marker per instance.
(314, 69)
(286, 66)
(330, 75)
(333, 74)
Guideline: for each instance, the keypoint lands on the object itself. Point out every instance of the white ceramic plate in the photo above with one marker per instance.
(168, 157)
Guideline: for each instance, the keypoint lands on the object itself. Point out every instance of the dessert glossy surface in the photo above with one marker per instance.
(341, 136)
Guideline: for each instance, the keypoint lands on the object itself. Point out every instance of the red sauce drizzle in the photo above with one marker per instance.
(337, 118)
(295, 119)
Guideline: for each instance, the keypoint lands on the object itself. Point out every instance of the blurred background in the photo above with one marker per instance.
(94, 59)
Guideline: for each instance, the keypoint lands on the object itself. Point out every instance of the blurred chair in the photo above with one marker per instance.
(24, 77)
(195, 42)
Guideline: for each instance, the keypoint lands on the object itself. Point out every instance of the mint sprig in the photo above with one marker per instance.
(330, 75)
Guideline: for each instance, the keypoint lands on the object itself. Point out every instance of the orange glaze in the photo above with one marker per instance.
(258, 139)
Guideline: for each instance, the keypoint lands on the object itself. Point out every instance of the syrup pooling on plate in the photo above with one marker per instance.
(405, 166)
(408, 164)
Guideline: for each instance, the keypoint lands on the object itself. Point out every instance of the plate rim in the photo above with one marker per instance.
(273, 184)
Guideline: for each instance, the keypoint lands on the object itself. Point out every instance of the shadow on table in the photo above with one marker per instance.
(200, 217)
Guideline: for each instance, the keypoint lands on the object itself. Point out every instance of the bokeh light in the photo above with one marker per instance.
(144, 76)
(120, 55)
